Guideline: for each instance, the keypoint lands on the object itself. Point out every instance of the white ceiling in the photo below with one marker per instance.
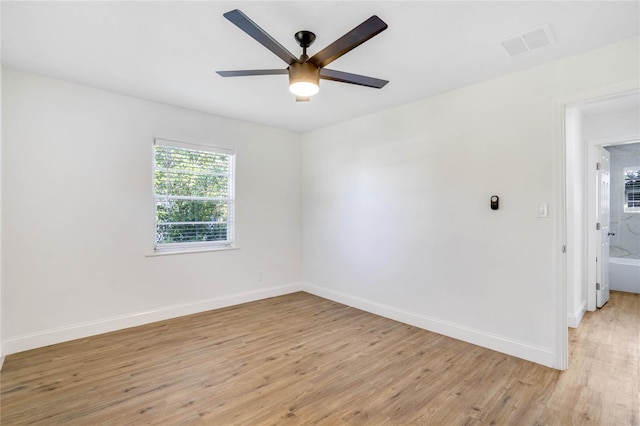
(168, 51)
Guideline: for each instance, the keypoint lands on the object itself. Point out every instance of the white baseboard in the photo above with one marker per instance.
(522, 350)
(573, 320)
(494, 342)
(79, 331)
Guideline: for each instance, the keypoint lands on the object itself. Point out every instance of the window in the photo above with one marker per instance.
(194, 194)
(632, 189)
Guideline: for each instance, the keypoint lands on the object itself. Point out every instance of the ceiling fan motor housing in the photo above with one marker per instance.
(306, 74)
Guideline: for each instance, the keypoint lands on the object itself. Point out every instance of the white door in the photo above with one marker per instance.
(602, 217)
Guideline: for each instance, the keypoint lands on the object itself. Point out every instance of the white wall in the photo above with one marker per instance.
(616, 125)
(396, 216)
(2, 355)
(78, 215)
(576, 222)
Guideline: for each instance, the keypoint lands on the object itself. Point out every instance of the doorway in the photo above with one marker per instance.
(591, 127)
(624, 250)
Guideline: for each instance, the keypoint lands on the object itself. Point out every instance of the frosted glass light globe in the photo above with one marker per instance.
(304, 88)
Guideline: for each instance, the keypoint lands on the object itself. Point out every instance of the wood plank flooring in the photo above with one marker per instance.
(300, 359)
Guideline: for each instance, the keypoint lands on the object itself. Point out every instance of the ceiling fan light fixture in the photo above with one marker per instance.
(304, 79)
(305, 72)
(304, 88)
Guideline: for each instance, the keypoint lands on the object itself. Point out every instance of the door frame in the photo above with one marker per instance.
(560, 105)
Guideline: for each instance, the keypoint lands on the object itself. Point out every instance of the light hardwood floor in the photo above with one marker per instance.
(300, 359)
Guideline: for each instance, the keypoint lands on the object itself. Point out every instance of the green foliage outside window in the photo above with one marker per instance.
(192, 195)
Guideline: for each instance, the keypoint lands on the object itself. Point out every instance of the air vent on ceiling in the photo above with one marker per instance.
(530, 40)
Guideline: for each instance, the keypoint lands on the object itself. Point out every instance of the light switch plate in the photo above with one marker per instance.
(543, 210)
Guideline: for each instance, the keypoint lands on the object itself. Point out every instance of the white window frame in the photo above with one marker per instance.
(167, 248)
(628, 209)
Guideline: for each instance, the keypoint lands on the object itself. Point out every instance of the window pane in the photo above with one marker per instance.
(168, 157)
(168, 210)
(193, 191)
(194, 232)
(632, 189)
(185, 183)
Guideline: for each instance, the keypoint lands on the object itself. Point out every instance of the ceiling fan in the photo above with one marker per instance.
(305, 72)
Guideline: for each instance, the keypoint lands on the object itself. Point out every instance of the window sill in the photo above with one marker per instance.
(170, 252)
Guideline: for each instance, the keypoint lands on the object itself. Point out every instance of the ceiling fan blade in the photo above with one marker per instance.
(349, 41)
(243, 73)
(346, 77)
(303, 98)
(251, 28)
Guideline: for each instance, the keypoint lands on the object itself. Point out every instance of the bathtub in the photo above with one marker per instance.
(624, 274)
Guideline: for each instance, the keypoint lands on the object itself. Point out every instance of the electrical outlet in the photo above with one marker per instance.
(259, 275)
